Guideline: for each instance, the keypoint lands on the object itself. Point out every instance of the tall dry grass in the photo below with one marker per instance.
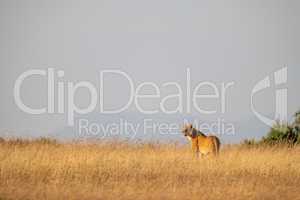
(46, 170)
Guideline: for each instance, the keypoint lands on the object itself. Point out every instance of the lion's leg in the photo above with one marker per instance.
(195, 148)
(216, 151)
(196, 153)
(216, 147)
(201, 155)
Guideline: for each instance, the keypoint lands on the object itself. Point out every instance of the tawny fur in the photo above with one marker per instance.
(200, 142)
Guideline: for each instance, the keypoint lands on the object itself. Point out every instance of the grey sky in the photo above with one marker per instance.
(220, 41)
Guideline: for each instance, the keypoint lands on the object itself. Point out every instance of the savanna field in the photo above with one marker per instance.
(119, 170)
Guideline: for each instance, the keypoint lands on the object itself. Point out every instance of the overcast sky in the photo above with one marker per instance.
(152, 41)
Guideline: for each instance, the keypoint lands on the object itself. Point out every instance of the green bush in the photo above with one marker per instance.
(285, 133)
(280, 133)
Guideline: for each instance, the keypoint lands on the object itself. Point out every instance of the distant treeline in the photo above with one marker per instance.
(23, 141)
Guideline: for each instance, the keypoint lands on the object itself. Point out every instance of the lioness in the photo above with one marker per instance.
(200, 142)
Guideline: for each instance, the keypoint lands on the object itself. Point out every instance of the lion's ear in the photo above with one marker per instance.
(191, 125)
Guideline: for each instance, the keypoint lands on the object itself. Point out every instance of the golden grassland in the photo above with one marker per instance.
(116, 170)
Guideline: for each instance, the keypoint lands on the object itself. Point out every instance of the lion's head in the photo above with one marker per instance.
(187, 130)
